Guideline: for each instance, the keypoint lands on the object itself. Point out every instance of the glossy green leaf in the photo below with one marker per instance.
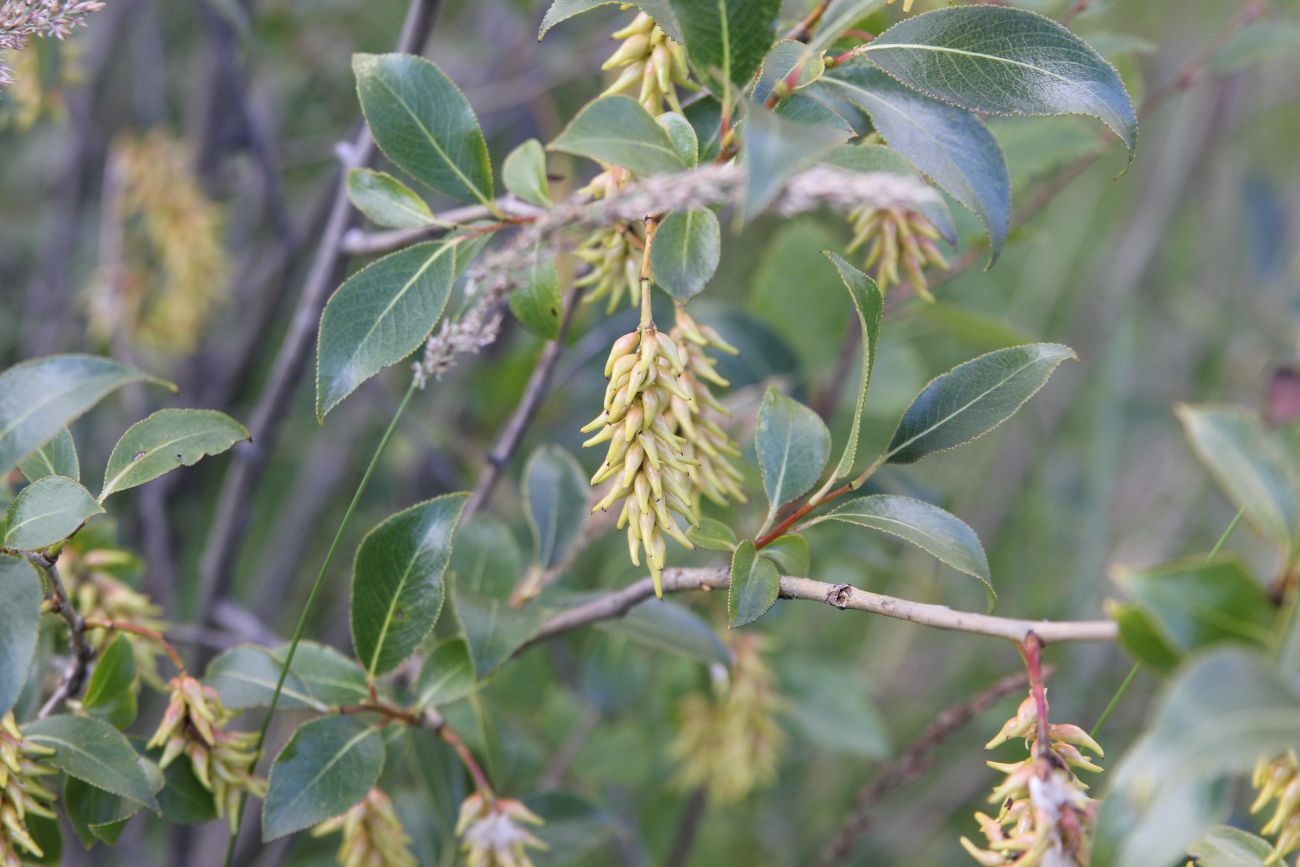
(555, 498)
(999, 60)
(792, 444)
(1143, 639)
(616, 129)
(776, 147)
(940, 534)
(39, 398)
(712, 535)
(790, 554)
(972, 399)
(58, 457)
(781, 61)
(183, 799)
(245, 677)
(493, 628)
(379, 316)
(682, 135)
(1195, 604)
(686, 252)
(727, 39)
(950, 145)
(665, 625)
(659, 10)
(423, 123)
(168, 439)
(48, 511)
(328, 766)
(386, 201)
(93, 751)
(524, 173)
(327, 675)
(111, 691)
(1226, 846)
(1219, 714)
(1249, 465)
(755, 584)
(96, 815)
(536, 301)
(397, 587)
(20, 620)
(447, 675)
(486, 558)
(869, 304)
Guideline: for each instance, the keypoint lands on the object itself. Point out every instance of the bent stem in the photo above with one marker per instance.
(311, 601)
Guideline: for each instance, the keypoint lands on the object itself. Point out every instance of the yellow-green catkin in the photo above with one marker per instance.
(1277, 781)
(899, 243)
(652, 65)
(492, 834)
(194, 724)
(161, 287)
(1044, 815)
(21, 793)
(612, 254)
(373, 836)
(646, 457)
(730, 743)
(709, 450)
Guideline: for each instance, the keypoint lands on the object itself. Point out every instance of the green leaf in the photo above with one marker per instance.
(183, 799)
(1142, 639)
(380, 315)
(524, 173)
(168, 439)
(792, 444)
(39, 398)
(99, 815)
(327, 767)
(616, 129)
(536, 301)
(328, 675)
(48, 511)
(20, 620)
(397, 587)
(682, 135)
(998, 60)
(1250, 466)
(1226, 846)
(573, 827)
(555, 499)
(447, 675)
(93, 751)
(869, 304)
(712, 535)
(111, 692)
(972, 399)
(493, 629)
(950, 145)
(486, 558)
(727, 39)
(830, 704)
(1196, 604)
(245, 677)
(1218, 715)
(423, 123)
(755, 584)
(668, 626)
(776, 147)
(781, 60)
(686, 252)
(659, 10)
(790, 554)
(940, 534)
(58, 457)
(386, 201)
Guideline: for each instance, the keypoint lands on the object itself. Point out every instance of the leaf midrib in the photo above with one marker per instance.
(110, 486)
(334, 760)
(943, 49)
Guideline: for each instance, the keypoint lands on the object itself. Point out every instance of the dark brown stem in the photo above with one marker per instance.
(909, 766)
(688, 827)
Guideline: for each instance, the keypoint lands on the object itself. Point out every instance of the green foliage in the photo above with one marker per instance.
(111, 691)
(792, 445)
(58, 457)
(524, 173)
(755, 584)
(168, 439)
(328, 765)
(20, 609)
(537, 302)
(47, 511)
(447, 674)
(387, 201)
(869, 304)
(726, 39)
(555, 496)
(96, 753)
(618, 130)
(687, 248)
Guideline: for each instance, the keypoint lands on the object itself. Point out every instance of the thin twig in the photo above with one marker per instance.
(842, 596)
(82, 652)
(359, 243)
(909, 766)
(688, 827)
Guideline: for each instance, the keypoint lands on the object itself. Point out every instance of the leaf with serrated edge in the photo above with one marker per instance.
(48, 511)
(93, 751)
(328, 766)
(755, 584)
(387, 201)
(727, 39)
(58, 457)
(168, 439)
(869, 304)
(972, 399)
(712, 535)
(659, 10)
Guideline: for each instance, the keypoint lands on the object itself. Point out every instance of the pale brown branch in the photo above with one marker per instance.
(842, 596)
(360, 243)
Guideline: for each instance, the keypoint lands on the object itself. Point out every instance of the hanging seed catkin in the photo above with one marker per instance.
(708, 447)
(1278, 780)
(646, 458)
(373, 836)
(897, 238)
(653, 66)
(21, 793)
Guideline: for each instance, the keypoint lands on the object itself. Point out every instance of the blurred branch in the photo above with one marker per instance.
(234, 501)
(360, 243)
(914, 762)
(688, 827)
(841, 596)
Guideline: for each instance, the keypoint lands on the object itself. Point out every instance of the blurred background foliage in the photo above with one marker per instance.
(163, 175)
